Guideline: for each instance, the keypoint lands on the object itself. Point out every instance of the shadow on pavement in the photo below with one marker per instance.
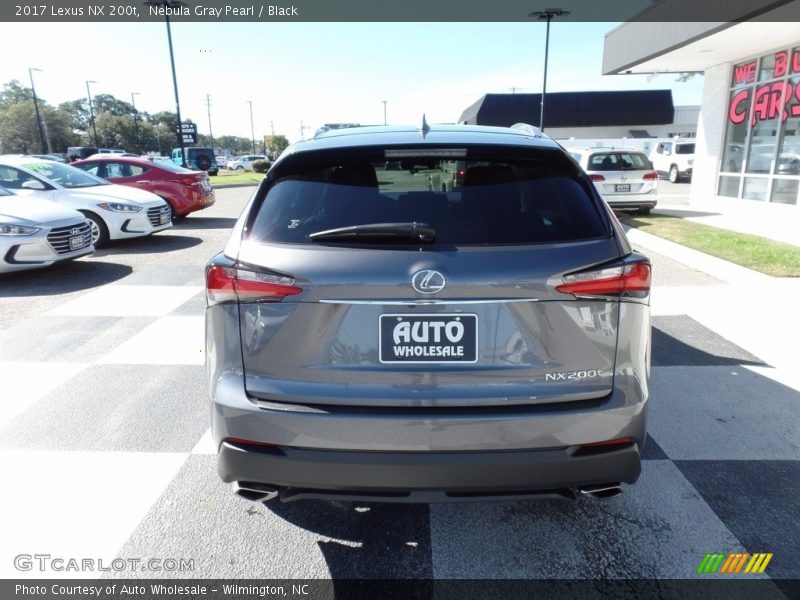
(61, 279)
(205, 223)
(379, 541)
(670, 212)
(154, 244)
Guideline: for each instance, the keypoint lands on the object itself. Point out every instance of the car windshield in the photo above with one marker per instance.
(472, 202)
(618, 161)
(5, 192)
(65, 175)
(684, 149)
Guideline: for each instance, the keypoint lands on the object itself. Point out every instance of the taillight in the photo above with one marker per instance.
(650, 176)
(189, 181)
(231, 284)
(628, 280)
(596, 177)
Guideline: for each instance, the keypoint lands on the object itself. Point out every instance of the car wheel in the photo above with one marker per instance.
(673, 174)
(240, 168)
(213, 173)
(99, 229)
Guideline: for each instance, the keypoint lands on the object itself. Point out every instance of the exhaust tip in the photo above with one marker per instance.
(255, 492)
(601, 492)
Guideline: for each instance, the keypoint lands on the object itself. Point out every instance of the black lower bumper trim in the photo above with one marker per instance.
(319, 473)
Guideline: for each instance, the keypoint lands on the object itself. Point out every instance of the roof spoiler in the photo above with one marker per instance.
(530, 130)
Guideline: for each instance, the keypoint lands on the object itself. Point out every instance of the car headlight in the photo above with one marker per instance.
(120, 207)
(7, 229)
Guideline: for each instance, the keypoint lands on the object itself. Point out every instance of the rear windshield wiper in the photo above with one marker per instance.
(421, 232)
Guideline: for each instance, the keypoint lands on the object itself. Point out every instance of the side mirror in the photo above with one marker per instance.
(33, 184)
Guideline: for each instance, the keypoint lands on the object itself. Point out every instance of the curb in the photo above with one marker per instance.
(222, 186)
(716, 267)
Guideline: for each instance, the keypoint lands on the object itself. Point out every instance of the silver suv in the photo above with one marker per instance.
(427, 314)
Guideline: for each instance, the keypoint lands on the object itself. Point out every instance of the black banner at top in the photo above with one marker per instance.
(229, 11)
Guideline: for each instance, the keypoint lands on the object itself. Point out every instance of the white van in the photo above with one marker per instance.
(674, 159)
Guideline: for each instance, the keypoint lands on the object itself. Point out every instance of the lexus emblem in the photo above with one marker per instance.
(428, 282)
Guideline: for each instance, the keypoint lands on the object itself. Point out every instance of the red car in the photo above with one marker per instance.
(184, 190)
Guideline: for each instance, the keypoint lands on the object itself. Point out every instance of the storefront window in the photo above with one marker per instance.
(784, 191)
(755, 188)
(762, 135)
(729, 186)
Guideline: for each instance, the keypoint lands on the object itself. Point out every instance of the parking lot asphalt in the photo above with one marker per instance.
(104, 436)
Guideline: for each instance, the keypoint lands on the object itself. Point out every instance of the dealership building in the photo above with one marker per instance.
(748, 132)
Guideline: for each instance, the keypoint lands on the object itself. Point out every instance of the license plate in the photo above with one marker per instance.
(76, 241)
(622, 187)
(205, 186)
(431, 338)
(164, 218)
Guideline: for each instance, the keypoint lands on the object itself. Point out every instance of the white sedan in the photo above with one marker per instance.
(113, 211)
(37, 233)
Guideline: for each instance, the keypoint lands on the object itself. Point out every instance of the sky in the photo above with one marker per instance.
(314, 73)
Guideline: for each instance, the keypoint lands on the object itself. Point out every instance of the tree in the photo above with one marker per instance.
(78, 113)
(278, 144)
(106, 103)
(14, 93)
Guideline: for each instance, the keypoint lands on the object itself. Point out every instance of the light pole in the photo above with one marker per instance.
(174, 4)
(91, 112)
(135, 122)
(252, 131)
(384, 112)
(547, 14)
(36, 107)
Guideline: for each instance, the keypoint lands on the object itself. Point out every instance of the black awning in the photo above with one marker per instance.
(574, 109)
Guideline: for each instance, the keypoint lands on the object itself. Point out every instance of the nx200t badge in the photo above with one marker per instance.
(428, 282)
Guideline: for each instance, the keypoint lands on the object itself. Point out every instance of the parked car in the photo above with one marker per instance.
(78, 152)
(113, 211)
(198, 159)
(624, 178)
(223, 161)
(380, 339)
(184, 190)
(37, 233)
(245, 163)
(673, 160)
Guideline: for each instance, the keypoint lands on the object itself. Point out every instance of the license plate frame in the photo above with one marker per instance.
(622, 187)
(163, 218)
(464, 350)
(76, 242)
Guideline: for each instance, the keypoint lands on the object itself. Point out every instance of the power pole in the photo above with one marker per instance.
(210, 134)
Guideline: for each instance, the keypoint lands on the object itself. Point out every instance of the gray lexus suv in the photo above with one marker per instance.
(427, 314)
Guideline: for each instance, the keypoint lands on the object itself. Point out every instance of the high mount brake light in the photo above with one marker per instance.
(229, 284)
(632, 279)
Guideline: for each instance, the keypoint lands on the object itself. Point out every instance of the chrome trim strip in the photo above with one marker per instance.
(426, 301)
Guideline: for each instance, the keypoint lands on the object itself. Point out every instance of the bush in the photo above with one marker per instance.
(261, 166)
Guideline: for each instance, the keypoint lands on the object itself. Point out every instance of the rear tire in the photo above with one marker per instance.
(673, 174)
(99, 229)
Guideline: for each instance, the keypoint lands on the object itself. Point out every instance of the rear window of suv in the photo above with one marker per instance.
(618, 161)
(466, 202)
(684, 149)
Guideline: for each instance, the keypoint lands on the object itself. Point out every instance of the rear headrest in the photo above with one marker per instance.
(355, 174)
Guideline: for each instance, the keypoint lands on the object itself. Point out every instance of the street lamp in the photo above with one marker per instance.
(252, 131)
(547, 14)
(384, 112)
(91, 112)
(174, 4)
(36, 107)
(210, 133)
(135, 122)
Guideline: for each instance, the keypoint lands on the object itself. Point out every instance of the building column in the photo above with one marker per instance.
(710, 133)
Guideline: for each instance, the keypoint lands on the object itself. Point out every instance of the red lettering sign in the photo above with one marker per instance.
(795, 109)
(769, 101)
(744, 73)
(736, 114)
(781, 64)
(796, 61)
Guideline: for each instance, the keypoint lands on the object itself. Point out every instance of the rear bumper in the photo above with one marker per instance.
(407, 475)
